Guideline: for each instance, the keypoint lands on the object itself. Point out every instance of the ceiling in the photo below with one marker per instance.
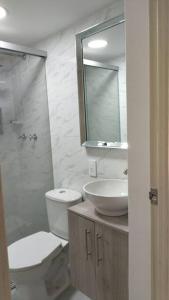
(30, 21)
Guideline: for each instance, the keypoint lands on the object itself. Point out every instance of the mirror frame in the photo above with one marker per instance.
(80, 78)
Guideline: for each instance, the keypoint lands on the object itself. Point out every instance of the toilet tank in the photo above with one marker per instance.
(57, 202)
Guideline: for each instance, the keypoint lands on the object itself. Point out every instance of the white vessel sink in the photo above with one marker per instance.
(109, 196)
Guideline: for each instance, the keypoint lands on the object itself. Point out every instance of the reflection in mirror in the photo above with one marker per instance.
(102, 85)
(102, 103)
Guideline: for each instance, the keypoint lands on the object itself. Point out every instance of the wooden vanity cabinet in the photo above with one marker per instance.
(111, 264)
(82, 254)
(98, 259)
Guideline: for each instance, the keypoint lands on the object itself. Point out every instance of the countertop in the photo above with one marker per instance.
(86, 209)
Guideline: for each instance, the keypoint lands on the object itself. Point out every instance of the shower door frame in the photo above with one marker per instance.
(5, 292)
(19, 49)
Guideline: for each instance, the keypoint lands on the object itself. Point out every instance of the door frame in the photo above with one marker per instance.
(5, 292)
(159, 145)
(138, 123)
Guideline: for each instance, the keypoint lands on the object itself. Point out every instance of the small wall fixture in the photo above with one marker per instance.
(95, 44)
(3, 12)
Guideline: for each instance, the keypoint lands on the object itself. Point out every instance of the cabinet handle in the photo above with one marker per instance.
(87, 234)
(98, 238)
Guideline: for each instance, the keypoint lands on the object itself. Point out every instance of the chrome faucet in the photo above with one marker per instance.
(22, 137)
(33, 137)
(125, 172)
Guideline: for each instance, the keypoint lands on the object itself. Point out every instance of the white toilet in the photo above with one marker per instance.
(39, 263)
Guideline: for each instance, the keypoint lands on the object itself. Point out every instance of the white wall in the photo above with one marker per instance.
(70, 160)
(137, 27)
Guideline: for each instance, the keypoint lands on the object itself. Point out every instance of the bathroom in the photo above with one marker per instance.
(58, 147)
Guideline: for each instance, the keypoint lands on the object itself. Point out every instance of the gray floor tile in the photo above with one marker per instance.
(69, 294)
(72, 294)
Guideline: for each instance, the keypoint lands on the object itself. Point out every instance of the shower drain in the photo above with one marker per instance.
(12, 285)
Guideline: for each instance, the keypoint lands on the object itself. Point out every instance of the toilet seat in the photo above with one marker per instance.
(33, 250)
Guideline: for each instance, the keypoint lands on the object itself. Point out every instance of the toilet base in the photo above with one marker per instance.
(33, 292)
(38, 291)
(45, 282)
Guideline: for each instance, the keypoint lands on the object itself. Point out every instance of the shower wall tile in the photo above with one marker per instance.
(27, 165)
(70, 160)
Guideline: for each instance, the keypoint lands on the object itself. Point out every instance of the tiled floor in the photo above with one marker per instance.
(69, 294)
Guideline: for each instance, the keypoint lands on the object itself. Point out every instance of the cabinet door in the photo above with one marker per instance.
(82, 254)
(111, 263)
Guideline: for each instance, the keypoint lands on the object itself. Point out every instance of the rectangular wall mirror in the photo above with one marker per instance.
(101, 68)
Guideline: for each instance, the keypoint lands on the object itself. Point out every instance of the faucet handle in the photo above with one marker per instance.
(125, 172)
(33, 137)
(22, 137)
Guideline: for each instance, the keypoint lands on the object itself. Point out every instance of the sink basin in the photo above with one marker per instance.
(109, 196)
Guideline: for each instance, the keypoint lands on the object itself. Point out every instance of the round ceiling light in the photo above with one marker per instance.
(97, 44)
(3, 12)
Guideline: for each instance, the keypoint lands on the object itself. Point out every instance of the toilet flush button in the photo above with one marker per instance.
(62, 192)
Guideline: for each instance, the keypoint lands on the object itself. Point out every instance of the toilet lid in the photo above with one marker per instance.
(33, 250)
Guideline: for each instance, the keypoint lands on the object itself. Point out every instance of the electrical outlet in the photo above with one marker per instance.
(92, 168)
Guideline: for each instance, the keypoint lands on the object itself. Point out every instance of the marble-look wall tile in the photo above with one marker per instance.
(70, 160)
(27, 165)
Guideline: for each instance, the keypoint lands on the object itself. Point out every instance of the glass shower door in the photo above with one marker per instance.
(25, 145)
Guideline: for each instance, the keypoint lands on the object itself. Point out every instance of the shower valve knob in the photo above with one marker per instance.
(22, 137)
(33, 137)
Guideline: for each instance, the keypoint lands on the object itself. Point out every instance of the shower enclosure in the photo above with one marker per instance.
(25, 148)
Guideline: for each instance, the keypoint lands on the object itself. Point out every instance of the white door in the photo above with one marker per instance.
(159, 146)
(147, 38)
